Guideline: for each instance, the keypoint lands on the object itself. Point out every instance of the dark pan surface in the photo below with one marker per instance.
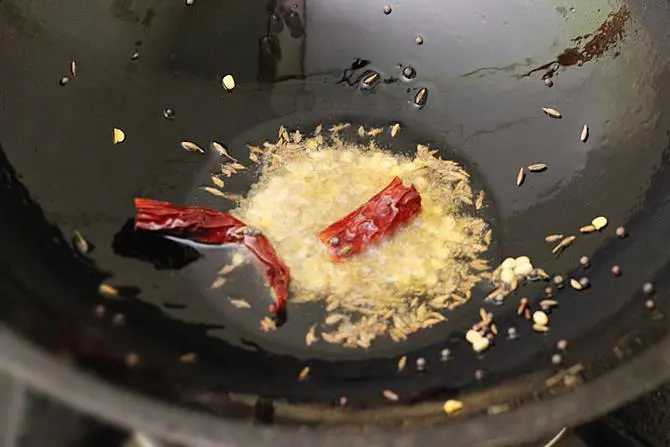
(62, 173)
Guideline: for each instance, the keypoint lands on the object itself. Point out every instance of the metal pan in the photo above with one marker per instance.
(180, 352)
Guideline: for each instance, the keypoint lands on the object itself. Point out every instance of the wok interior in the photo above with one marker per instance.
(62, 173)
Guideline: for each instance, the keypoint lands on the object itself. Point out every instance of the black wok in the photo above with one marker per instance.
(296, 64)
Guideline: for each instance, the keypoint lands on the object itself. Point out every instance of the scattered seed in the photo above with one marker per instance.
(334, 319)
(189, 2)
(80, 243)
(521, 175)
(488, 237)
(584, 261)
(494, 329)
(240, 303)
(218, 182)
(73, 69)
(238, 259)
(481, 344)
(649, 304)
(576, 284)
(395, 129)
(214, 191)
(587, 229)
(310, 338)
(616, 270)
(402, 363)
(479, 203)
(584, 282)
(479, 374)
(375, 132)
(585, 134)
(552, 112)
(221, 150)
(304, 373)
(390, 395)
(108, 291)
(189, 357)
(228, 83)
(553, 237)
(599, 222)
(226, 269)
(119, 136)
(556, 359)
(558, 280)
(99, 311)
(419, 40)
(621, 232)
(648, 288)
(523, 304)
(507, 276)
(548, 291)
(387, 9)
(548, 304)
(421, 97)
(472, 336)
(540, 328)
(268, 324)
(540, 318)
(64, 81)
(565, 243)
(218, 283)
(371, 80)
(131, 359)
(541, 273)
(361, 132)
(168, 113)
(548, 82)
(192, 147)
(512, 333)
(135, 55)
(343, 401)
(444, 355)
(562, 345)
(420, 364)
(452, 406)
(526, 313)
(537, 167)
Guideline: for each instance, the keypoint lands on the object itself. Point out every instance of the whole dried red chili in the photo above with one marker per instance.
(215, 227)
(380, 217)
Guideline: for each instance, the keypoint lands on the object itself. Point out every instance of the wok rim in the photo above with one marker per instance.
(79, 390)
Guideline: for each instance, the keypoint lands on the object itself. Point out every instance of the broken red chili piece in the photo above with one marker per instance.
(380, 217)
(208, 226)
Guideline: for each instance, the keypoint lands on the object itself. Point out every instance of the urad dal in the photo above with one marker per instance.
(394, 289)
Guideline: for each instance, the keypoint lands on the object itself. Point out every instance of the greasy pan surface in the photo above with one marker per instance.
(62, 173)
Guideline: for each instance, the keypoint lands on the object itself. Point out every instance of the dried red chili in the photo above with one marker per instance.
(380, 217)
(215, 227)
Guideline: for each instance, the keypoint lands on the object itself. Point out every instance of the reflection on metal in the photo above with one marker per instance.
(141, 440)
(553, 441)
(283, 52)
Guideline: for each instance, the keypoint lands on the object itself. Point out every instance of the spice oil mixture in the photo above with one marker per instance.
(397, 287)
